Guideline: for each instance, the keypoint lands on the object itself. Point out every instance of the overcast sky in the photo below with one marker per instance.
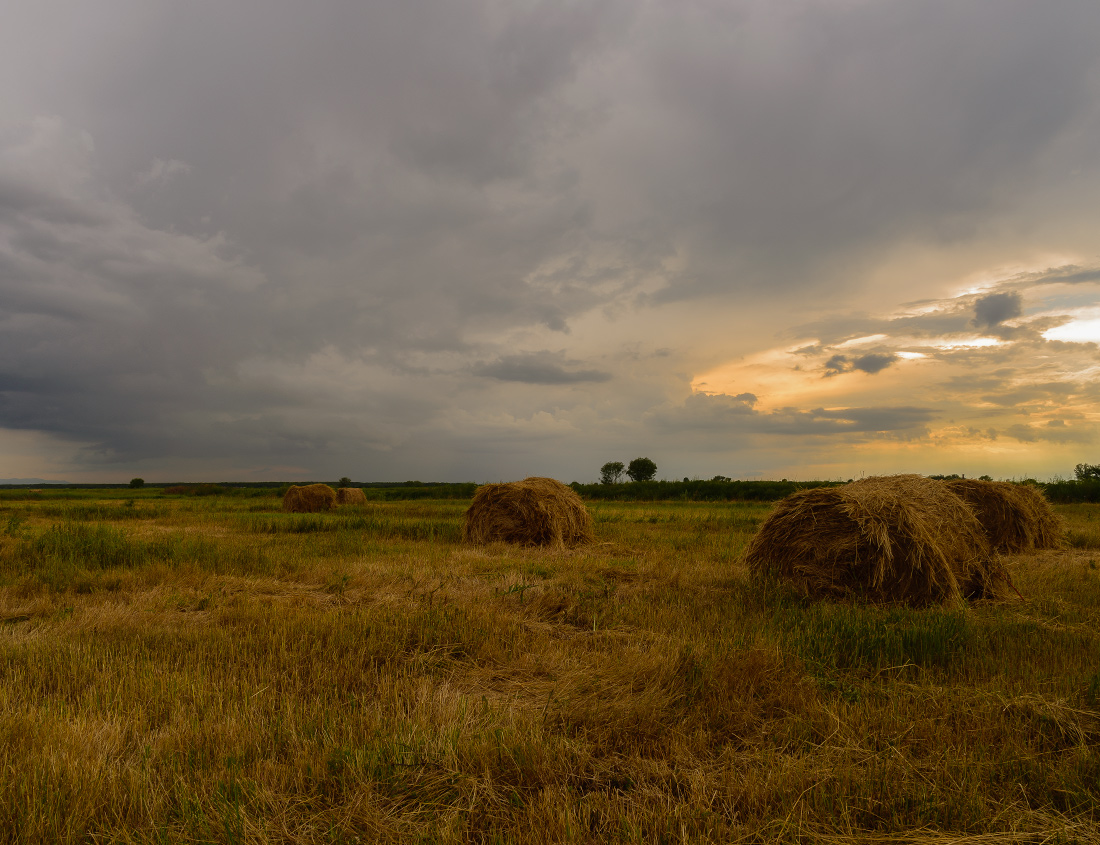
(475, 240)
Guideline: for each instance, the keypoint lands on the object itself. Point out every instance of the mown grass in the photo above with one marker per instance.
(208, 669)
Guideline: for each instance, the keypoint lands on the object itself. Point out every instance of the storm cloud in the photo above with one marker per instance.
(539, 368)
(461, 242)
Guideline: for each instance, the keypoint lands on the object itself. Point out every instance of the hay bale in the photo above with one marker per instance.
(532, 512)
(309, 498)
(1015, 517)
(894, 539)
(350, 496)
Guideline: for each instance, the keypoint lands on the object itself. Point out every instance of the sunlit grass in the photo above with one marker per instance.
(209, 669)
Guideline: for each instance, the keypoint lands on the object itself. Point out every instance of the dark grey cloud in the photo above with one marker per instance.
(737, 415)
(21, 200)
(1053, 431)
(975, 383)
(992, 310)
(539, 368)
(942, 319)
(1067, 275)
(871, 362)
(702, 412)
(862, 421)
(874, 120)
(874, 362)
(1020, 395)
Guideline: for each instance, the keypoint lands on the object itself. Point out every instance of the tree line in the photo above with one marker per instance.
(639, 469)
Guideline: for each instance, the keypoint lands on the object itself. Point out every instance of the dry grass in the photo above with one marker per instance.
(1015, 517)
(309, 498)
(218, 671)
(532, 512)
(902, 538)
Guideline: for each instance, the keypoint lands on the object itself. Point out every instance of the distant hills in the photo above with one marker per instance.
(35, 481)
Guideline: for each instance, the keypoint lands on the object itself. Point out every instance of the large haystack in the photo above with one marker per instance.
(350, 496)
(901, 538)
(1016, 517)
(532, 512)
(309, 498)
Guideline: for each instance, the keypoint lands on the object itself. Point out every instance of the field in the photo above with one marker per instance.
(186, 669)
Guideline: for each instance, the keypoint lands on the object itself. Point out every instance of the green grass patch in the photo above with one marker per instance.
(92, 547)
(844, 637)
(103, 511)
(386, 525)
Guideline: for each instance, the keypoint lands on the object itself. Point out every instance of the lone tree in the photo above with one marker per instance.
(641, 469)
(137, 482)
(1087, 472)
(611, 472)
(344, 482)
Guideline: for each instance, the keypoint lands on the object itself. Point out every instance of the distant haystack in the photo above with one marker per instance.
(532, 512)
(309, 498)
(894, 539)
(350, 496)
(1016, 517)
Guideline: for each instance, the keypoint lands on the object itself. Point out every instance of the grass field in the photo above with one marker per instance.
(183, 669)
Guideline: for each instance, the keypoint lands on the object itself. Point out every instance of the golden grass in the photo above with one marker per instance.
(336, 677)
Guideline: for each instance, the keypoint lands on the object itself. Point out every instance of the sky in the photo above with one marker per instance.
(482, 240)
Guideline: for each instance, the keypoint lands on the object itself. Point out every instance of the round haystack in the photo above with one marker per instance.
(309, 498)
(892, 539)
(1016, 517)
(532, 512)
(350, 496)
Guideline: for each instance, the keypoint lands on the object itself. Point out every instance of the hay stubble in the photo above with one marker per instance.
(378, 678)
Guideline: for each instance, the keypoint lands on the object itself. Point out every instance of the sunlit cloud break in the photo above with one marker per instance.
(1076, 331)
(1031, 385)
